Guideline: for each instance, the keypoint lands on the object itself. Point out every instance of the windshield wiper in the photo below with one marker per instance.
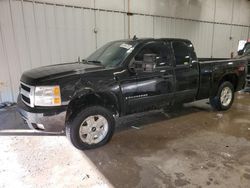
(94, 61)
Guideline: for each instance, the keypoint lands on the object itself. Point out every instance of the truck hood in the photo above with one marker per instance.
(53, 72)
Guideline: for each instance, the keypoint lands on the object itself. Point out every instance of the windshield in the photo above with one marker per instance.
(112, 54)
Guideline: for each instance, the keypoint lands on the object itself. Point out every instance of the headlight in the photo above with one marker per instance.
(47, 96)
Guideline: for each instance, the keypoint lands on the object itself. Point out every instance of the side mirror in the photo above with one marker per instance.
(240, 52)
(149, 62)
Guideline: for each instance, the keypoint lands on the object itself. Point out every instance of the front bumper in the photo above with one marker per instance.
(47, 120)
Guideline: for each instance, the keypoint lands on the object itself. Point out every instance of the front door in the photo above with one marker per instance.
(127, 82)
(155, 89)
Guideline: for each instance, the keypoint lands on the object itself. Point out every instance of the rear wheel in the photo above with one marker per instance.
(224, 97)
(91, 128)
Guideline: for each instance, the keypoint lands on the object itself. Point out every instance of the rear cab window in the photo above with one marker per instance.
(183, 53)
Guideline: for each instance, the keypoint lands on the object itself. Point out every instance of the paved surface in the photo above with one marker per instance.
(43, 161)
(193, 147)
(33, 159)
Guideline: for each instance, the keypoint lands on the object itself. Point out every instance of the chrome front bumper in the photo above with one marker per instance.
(42, 121)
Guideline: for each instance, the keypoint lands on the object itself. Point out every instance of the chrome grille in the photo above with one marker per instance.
(27, 94)
(248, 80)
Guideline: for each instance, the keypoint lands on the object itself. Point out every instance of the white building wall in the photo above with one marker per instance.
(110, 26)
(44, 32)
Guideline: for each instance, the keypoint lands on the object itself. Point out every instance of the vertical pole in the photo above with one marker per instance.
(124, 19)
(66, 33)
(47, 33)
(231, 28)
(153, 26)
(37, 35)
(57, 35)
(95, 29)
(212, 46)
(129, 19)
(26, 35)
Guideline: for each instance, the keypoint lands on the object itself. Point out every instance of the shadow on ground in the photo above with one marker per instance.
(135, 121)
(193, 147)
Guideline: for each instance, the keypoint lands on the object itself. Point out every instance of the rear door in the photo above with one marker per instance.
(186, 71)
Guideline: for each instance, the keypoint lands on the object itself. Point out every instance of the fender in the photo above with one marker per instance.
(87, 94)
(227, 76)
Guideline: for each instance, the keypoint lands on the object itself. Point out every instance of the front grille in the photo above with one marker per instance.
(248, 80)
(26, 99)
(26, 88)
(27, 94)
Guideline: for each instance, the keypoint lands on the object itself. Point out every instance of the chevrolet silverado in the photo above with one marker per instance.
(123, 77)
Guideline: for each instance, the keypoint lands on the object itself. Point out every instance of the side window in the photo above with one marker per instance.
(247, 48)
(182, 53)
(161, 50)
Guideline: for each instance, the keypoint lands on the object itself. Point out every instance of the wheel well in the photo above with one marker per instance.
(230, 78)
(104, 100)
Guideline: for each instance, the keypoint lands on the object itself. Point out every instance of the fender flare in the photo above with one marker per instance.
(89, 97)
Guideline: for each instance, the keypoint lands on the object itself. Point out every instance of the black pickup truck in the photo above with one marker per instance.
(123, 77)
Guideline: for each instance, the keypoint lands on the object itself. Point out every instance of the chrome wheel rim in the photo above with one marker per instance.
(93, 129)
(226, 96)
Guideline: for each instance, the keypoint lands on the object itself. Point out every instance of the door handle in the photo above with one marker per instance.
(192, 63)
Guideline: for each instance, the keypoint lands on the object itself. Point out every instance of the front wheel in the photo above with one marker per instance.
(91, 128)
(224, 98)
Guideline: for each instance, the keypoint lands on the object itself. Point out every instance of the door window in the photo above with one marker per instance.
(160, 49)
(182, 53)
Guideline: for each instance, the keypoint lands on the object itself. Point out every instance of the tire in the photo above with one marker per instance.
(217, 101)
(97, 122)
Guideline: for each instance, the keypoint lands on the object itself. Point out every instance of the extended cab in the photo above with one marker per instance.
(123, 77)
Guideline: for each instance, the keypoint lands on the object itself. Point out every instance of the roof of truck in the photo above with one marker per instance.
(157, 39)
(175, 39)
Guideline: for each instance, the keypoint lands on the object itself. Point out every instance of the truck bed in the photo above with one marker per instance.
(211, 71)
